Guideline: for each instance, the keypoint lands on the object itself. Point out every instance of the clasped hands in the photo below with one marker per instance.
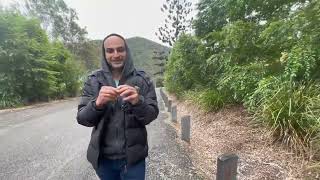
(109, 94)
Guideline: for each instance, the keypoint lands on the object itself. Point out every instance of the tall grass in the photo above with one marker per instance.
(9, 100)
(292, 111)
(207, 99)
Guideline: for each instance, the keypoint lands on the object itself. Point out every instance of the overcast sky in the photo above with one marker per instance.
(127, 17)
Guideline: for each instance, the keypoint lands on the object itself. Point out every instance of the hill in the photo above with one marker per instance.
(142, 51)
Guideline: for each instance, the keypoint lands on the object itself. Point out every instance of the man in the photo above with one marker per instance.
(118, 102)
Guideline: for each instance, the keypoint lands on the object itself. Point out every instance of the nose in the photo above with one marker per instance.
(116, 53)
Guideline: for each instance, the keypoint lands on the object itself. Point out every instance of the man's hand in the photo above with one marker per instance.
(129, 94)
(106, 94)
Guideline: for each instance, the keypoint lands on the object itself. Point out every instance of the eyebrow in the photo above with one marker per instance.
(118, 49)
(115, 47)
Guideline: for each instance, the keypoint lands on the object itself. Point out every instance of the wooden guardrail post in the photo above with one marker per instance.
(169, 105)
(174, 114)
(164, 97)
(227, 167)
(161, 93)
(185, 128)
(167, 99)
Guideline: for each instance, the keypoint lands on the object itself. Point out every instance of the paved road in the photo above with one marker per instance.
(45, 142)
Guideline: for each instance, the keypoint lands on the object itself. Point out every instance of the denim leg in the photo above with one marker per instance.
(135, 172)
(108, 170)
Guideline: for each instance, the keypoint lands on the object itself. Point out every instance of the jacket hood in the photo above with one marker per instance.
(128, 63)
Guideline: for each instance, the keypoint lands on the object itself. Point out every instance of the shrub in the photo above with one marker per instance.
(292, 111)
(159, 82)
(208, 99)
(183, 70)
(241, 81)
(9, 100)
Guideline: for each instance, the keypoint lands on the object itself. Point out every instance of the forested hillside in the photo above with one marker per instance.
(143, 52)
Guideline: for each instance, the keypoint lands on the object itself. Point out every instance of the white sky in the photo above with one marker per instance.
(127, 17)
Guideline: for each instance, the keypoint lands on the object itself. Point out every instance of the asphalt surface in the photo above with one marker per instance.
(46, 142)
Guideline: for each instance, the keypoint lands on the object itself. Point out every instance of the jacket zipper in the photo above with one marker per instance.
(124, 130)
(125, 143)
(116, 106)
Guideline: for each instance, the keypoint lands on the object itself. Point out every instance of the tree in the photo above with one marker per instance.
(89, 53)
(24, 70)
(176, 22)
(162, 58)
(213, 15)
(185, 67)
(58, 20)
(32, 68)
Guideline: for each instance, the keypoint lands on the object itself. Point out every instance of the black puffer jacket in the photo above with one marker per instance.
(119, 129)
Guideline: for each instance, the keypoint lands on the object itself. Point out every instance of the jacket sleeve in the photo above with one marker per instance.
(147, 108)
(87, 114)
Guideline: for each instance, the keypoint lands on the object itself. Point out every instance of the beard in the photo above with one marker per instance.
(116, 64)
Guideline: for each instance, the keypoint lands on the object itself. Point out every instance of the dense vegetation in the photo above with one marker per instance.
(32, 68)
(44, 53)
(262, 54)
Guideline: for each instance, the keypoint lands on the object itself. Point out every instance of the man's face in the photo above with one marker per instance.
(115, 52)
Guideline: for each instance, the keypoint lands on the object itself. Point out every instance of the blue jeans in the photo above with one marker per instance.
(118, 170)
